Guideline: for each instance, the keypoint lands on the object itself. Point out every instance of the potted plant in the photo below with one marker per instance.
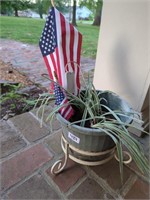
(99, 125)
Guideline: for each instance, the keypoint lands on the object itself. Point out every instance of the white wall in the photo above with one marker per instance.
(123, 61)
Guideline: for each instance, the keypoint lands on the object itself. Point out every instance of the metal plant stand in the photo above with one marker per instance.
(76, 155)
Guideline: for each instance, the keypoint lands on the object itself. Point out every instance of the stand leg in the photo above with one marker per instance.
(59, 166)
(125, 161)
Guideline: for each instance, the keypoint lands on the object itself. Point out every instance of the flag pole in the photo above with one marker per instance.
(55, 75)
(52, 2)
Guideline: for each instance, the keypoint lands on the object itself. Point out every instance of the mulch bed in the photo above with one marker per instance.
(18, 93)
(8, 73)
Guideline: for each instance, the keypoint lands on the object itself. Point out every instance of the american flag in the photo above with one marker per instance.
(66, 111)
(60, 44)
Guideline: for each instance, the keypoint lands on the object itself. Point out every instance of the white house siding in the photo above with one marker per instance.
(83, 13)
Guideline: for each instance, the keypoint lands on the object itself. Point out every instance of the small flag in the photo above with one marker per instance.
(60, 99)
(60, 44)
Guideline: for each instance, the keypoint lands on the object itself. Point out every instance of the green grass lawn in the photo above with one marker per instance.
(29, 30)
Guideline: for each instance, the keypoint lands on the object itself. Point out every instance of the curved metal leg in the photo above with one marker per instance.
(59, 165)
(125, 161)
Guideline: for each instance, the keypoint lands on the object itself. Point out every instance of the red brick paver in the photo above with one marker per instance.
(34, 188)
(54, 143)
(10, 141)
(110, 172)
(10, 145)
(54, 125)
(65, 180)
(89, 189)
(29, 127)
(22, 165)
(140, 190)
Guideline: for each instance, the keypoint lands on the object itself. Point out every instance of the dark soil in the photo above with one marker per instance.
(20, 101)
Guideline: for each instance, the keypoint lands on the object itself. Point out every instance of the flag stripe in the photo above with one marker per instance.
(58, 67)
(79, 48)
(48, 67)
(71, 45)
(76, 64)
(53, 63)
(67, 110)
(61, 69)
(63, 26)
(75, 47)
(62, 110)
(68, 113)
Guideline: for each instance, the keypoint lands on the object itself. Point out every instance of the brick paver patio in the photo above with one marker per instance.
(28, 151)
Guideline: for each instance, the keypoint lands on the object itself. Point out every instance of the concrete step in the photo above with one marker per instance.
(11, 140)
